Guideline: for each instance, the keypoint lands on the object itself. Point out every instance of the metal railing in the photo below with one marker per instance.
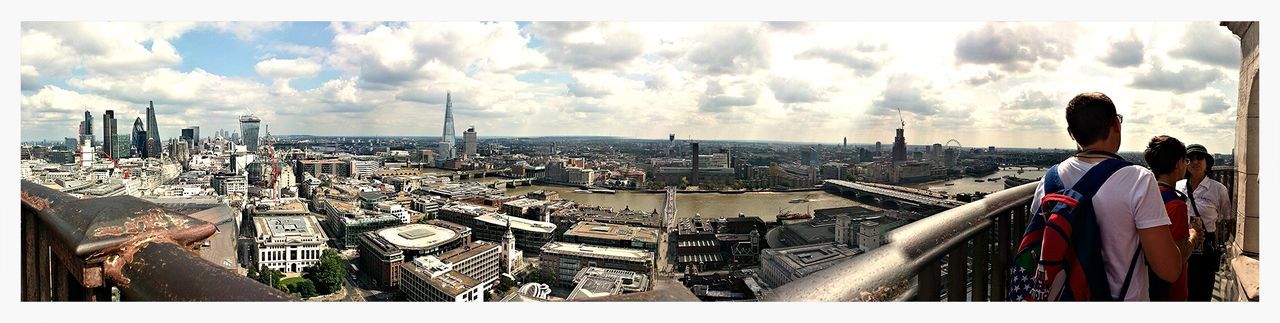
(85, 250)
(976, 240)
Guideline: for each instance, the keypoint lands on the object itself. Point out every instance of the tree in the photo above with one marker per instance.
(329, 274)
(253, 273)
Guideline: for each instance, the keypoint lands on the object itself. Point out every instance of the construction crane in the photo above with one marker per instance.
(116, 165)
(904, 121)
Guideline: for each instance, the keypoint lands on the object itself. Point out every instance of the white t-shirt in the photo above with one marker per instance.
(1212, 199)
(1129, 200)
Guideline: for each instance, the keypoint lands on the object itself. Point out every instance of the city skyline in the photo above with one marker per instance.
(1004, 83)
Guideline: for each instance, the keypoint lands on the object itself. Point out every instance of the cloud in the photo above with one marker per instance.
(1188, 79)
(171, 86)
(588, 45)
(286, 68)
(1031, 99)
(56, 48)
(391, 55)
(30, 78)
(862, 58)
(908, 93)
(1125, 52)
(1207, 43)
(579, 89)
(990, 76)
(795, 90)
(246, 31)
(1213, 103)
(1015, 47)
(736, 50)
(789, 26)
(715, 98)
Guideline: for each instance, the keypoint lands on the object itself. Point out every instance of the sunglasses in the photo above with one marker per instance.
(1196, 157)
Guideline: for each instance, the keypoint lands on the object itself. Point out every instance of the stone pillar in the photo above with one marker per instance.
(1244, 251)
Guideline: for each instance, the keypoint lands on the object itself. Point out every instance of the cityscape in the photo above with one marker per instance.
(352, 203)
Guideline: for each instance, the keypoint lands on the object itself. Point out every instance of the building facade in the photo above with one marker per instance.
(564, 260)
(288, 243)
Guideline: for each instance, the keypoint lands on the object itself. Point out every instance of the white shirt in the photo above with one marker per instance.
(1212, 199)
(1128, 201)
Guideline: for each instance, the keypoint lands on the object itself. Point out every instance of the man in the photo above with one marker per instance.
(1128, 208)
(1208, 200)
(1167, 158)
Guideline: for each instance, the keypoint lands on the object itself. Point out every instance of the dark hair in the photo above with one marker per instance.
(1163, 153)
(1089, 117)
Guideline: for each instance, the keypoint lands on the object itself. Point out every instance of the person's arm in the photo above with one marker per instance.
(1164, 256)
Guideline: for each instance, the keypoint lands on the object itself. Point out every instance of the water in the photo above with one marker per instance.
(968, 185)
(765, 205)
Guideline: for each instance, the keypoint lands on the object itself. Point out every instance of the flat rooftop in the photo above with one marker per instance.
(595, 286)
(451, 282)
(470, 250)
(590, 251)
(517, 223)
(613, 232)
(418, 236)
(810, 258)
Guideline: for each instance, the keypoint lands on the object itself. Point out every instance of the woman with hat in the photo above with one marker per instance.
(1209, 201)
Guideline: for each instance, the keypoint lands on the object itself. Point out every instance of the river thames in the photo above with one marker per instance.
(766, 205)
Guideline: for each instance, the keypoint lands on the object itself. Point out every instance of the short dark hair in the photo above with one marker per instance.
(1162, 154)
(1089, 117)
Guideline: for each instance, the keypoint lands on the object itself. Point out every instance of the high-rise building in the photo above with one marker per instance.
(878, 150)
(109, 134)
(249, 127)
(693, 173)
(469, 142)
(196, 143)
(846, 143)
(86, 129)
(139, 139)
(899, 147)
(447, 148)
(70, 142)
(937, 153)
(153, 131)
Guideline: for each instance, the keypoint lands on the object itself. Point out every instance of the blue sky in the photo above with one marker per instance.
(999, 84)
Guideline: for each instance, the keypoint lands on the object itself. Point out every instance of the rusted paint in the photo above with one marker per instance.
(36, 202)
(146, 220)
(117, 258)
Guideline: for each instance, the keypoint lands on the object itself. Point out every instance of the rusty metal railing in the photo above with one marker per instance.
(79, 250)
(974, 242)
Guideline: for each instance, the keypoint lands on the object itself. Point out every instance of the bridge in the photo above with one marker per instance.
(896, 194)
(669, 209)
(512, 183)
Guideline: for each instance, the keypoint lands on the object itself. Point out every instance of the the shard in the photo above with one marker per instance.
(447, 148)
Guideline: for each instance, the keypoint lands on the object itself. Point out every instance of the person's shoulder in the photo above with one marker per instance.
(1135, 171)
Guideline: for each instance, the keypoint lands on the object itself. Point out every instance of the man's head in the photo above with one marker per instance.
(1092, 121)
(1166, 155)
(1200, 160)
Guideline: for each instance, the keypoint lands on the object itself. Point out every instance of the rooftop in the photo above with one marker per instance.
(584, 250)
(810, 258)
(470, 250)
(443, 278)
(418, 236)
(613, 232)
(517, 223)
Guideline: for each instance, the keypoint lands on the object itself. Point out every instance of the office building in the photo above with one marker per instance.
(530, 235)
(153, 132)
(109, 134)
(382, 252)
(782, 265)
(139, 148)
(613, 235)
(564, 260)
(427, 279)
(446, 148)
(469, 142)
(249, 125)
(288, 243)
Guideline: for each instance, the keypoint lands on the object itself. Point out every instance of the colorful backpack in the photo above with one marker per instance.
(1060, 256)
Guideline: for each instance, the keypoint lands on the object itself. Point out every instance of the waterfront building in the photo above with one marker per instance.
(613, 235)
(563, 260)
(469, 142)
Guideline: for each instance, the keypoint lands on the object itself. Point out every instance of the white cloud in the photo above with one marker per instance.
(286, 68)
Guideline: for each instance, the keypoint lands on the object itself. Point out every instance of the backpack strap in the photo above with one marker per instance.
(1128, 278)
(1052, 182)
(1087, 187)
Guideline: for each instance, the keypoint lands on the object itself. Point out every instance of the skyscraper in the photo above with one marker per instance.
(109, 133)
(448, 150)
(139, 139)
(153, 132)
(899, 147)
(249, 127)
(86, 129)
(469, 142)
(693, 173)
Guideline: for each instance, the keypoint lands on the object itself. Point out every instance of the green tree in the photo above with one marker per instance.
(253, 273)
(328, 274)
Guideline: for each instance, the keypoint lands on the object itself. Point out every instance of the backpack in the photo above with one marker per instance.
(1060, 254)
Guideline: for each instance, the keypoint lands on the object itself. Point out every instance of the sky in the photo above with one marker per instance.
(1001, 84)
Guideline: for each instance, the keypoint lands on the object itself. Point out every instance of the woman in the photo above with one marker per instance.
(1210, 202)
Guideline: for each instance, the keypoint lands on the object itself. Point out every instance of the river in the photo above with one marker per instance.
(765, 205)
